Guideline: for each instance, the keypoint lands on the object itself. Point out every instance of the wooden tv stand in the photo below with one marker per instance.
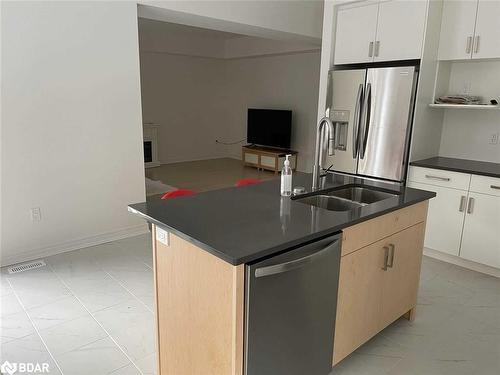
(268, 158)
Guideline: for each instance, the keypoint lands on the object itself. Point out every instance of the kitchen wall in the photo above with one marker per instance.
(71, 126)
(467, 133)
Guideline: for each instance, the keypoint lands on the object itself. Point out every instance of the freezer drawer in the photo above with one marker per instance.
(290, 311)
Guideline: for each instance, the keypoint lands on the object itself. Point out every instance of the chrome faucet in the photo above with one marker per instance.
(330, 129)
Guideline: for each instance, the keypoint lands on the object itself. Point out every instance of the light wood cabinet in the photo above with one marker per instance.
(469, 30)
(359, 299)
(400, 281)
(481, 235)
(199, 310)
(381, 31)
(378, 283)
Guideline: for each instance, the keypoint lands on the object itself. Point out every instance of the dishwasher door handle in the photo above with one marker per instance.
(292, 264)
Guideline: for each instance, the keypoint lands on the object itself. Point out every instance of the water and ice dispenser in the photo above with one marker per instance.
(340, 121)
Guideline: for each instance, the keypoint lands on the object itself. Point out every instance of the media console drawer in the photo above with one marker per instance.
(267, 158)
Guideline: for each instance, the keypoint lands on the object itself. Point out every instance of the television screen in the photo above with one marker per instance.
(269, 127)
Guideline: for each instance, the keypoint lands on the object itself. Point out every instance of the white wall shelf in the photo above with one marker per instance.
(465, 106)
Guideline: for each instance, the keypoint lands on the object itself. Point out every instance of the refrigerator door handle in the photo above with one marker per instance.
(366, 119)
(357, 120)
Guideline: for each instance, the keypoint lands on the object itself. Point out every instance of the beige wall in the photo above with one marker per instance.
(71, 125)
(281, 82)
(198, 100)
(183, 95)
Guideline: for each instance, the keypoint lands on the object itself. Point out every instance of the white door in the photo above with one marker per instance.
(445, 218)
(355, 34)
(457, 29)
(487, 35)
(481, 237)
(400, 30)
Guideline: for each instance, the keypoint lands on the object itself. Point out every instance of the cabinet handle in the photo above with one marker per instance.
(370, 49)
(386, 257)
(437, 177)
(392, 247)
(476, 44)
(495, 187)
(470, 208)
(463, 200)
(377, 47)
(469, 44)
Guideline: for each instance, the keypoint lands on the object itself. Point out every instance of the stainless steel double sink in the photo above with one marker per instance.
(345, 199)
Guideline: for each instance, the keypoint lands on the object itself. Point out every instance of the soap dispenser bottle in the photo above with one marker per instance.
(286, 178)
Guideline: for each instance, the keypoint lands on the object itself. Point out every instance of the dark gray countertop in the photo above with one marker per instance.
(240, 225)
(482, 168)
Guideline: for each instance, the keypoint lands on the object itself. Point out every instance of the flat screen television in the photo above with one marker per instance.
(269, 127)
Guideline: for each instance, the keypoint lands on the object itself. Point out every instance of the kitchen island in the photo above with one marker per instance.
(205, 245)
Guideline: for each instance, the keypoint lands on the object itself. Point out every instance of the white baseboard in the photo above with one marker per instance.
(81, 243)
(492, 271)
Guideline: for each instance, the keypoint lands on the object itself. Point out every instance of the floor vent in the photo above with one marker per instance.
(26, 266)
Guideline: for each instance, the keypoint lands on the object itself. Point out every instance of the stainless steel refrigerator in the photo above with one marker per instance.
(372, 110)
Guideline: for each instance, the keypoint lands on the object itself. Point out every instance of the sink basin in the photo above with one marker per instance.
(361, 195)
(330, 203)
(345, 199)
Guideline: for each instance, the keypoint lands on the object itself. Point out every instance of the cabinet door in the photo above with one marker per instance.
(445, 218)
(359, 298)
(481, 237)
(355, 32)
(400, 285)
(400, 30)
(486, 39)
(457, 29)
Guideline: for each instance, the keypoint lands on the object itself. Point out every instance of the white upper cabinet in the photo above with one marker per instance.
(470, 29)
(400, 30)
(380, 31)
(356, 27)
(457, 29)
(487, 34)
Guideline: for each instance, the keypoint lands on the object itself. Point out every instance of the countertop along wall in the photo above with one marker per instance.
(71, 126)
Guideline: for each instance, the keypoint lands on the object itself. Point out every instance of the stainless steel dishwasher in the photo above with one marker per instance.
(291, 303)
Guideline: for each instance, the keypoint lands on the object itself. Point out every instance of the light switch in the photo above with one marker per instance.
(162, 236)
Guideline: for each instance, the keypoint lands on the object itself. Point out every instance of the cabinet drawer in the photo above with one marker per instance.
(440, 177)
(268, 161)
(370, 231)
(485, 185)
(251, 158)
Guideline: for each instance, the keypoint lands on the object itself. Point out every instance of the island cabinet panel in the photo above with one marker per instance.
(358, 304)
(378, 282)
(367, 232)
(199, 302)
(401, 280)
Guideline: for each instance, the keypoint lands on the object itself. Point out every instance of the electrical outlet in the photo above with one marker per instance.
(36, 214)
(493, 139)
(162, 236)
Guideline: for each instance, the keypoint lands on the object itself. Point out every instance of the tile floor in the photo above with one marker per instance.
(90, 312)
